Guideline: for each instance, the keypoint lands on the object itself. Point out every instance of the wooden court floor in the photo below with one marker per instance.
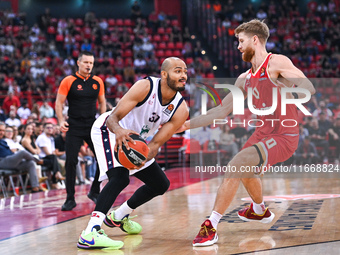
(307, 221)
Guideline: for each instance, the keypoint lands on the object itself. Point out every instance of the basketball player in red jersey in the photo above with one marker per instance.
(270, 143)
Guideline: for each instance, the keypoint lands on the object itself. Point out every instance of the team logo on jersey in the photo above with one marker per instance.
(79, 87)
(169, 109)
(263, 71)
(151, 100)
(145, 130)
(94, 86)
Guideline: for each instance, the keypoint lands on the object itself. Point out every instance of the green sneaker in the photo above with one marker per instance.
(97, 240)
(127, 225)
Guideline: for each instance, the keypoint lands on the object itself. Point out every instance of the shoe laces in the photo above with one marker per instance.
(127, 220)
(254, 213)
(204, 231)
(101, 232)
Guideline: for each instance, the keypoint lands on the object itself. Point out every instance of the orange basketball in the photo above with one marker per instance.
(136, 155)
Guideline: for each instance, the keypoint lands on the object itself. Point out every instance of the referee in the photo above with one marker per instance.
(81, 91)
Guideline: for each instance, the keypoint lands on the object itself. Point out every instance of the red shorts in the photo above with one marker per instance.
(277, 147)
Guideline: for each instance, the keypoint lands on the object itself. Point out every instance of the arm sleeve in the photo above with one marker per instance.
(101, 85)
(65, 85)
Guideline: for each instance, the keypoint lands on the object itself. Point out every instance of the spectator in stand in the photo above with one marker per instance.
(86, 46)
(31, 119)
(46, 110)
(207, 66)
(12, 120)
(35, 29)
(312, 5)
(119, 65)
(110, 82)
(125, 38)
(162, 19)
(324, 123)
(336, 111)
(334, 139)
(240, 132)
(139, 64)
(318, 137)
(228, 141)
(261, 15)
(38, 129)
(69, 61)
(186, 35)
(21, 160)
(198, 49)
(303, 133)
(187, 49)
(153, 21)
(17, 136)
(103, 25)
(46, 144)
(129, 72)
(24, 111)
(306, 153)
(147, 48)
(69, 44)
(122, 88)
(176, 35)
(90, 18)
(136, 11)
(10, 100)
(237, 16)
(322, 108)
(90, 163)
(14, 146)
(137, 49)
(2, 114)
(45, 20)
(139, 26)
(62, 25)
(202, 135)
(217, 7)
(153, 65)
(28, 142)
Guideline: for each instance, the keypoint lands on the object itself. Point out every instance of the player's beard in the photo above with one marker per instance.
(172, 84)
(248, 54)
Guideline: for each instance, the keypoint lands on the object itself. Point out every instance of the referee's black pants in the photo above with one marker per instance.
(74, 140)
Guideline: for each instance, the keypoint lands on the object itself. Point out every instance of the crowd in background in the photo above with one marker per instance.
(34, 59)
(310, 38)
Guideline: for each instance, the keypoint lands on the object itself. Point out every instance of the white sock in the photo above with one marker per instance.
(97, 219)
(259, 208)
(215, 218)
(122, 211)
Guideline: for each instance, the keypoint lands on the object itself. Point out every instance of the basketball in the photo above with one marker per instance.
(136, 155)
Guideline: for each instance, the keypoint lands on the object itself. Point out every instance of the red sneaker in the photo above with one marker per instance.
(248, 214)
(206, 236)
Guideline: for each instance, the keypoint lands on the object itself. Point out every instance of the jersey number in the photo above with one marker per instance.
(154, 117)
(256, 93)
(271, 143)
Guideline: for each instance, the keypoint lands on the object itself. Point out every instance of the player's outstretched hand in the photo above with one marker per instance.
(184, 127)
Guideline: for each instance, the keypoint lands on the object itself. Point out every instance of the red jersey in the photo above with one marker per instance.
(262, 99)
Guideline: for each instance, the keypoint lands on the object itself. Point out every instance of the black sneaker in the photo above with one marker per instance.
(68, 205)
(93, 196)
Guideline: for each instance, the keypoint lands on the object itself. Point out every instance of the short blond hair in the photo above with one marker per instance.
(254, 27)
